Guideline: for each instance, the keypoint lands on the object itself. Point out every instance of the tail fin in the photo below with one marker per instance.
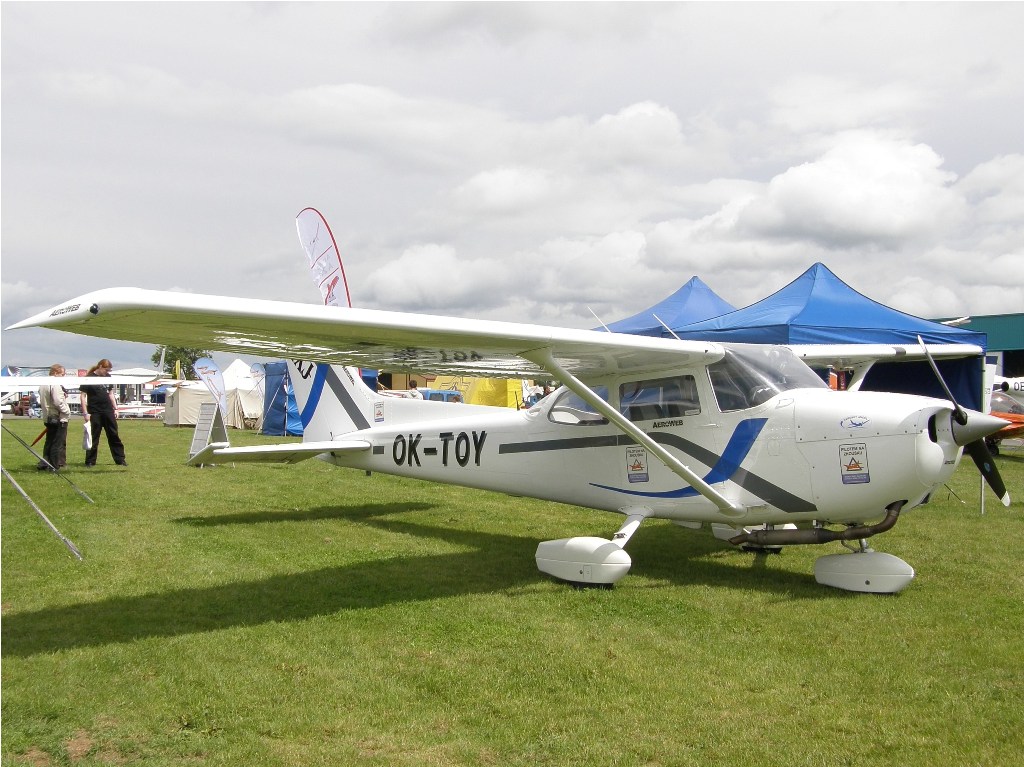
(332, 400)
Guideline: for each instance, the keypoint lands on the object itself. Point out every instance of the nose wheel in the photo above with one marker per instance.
(863, 570)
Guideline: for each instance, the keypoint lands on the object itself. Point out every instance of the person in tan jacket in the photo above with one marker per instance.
(56, 414)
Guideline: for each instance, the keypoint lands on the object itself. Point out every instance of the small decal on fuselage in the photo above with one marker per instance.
(636, 464)
(378, 412)
(853, 463)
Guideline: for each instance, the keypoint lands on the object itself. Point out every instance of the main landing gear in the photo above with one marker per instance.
(592, 561)
(587, 560)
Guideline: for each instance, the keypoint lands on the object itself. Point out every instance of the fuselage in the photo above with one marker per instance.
(783, 456)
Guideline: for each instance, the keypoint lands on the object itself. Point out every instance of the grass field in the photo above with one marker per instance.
(306, 615)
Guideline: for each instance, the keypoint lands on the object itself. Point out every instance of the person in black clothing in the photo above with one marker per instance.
(101, 414)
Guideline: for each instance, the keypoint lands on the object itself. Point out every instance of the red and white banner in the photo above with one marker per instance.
(325, 265)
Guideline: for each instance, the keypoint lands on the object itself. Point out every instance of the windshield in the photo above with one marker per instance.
(1001, 403)
(750, 375)
(569, 408)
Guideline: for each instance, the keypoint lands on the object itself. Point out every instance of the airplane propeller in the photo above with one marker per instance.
(969, 430)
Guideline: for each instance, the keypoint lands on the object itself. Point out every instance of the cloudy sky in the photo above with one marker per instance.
(513, 161)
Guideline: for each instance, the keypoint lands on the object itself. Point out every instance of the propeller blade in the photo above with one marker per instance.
(959, 414)
(983, 460)
(970, 433)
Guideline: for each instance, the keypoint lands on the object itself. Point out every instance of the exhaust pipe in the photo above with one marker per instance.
(820, 534)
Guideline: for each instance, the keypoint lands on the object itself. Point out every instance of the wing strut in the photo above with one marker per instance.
(545, 359)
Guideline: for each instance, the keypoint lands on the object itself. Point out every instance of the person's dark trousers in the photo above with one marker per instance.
(99, 422)
(55, 445)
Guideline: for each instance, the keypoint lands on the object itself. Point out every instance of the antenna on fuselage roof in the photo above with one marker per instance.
(670, 330)
(599, 319)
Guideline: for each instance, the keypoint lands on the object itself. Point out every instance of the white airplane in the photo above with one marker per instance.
(735, 435)
(70, 382)
(1013, 387)
(12, 386)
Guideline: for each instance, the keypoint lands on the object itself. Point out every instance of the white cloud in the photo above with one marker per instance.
(645, 133)
(505, 190)
(433, 278)
(868, 189)
(821, 104)
(996, 188)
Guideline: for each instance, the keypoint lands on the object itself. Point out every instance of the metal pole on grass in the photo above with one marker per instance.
(71, 547)
(29, 448)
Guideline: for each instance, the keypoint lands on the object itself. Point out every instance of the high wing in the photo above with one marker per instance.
(364, 337)
(861, 357)
(851, 355)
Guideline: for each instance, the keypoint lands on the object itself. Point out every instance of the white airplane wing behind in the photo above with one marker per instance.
(25, 383)
(364, 337)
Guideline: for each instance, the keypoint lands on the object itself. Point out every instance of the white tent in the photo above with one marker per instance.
(244, 398)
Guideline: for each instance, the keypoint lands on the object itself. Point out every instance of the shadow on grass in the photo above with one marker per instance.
(351, 513)
(494, 564)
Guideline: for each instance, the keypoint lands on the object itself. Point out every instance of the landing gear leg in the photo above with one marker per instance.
(860, 546)
(589, 561)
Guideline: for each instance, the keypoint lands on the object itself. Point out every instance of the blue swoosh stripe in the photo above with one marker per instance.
(316, 390)
(740, 443)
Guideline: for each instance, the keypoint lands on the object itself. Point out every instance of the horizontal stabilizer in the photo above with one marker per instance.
(221, 452)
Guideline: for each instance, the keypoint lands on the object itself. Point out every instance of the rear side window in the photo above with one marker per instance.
(673, 397)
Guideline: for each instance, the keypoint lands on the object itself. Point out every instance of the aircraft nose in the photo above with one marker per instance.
(978, 426)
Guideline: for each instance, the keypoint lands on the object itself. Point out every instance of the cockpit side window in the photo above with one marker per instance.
(748, 376)
(659, 398)
(568, 408)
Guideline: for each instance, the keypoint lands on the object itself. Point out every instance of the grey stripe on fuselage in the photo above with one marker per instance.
(762, 488)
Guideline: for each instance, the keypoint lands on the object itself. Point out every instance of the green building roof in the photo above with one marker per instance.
(1005, 331)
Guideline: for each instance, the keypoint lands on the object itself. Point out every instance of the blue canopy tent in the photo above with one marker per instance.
(819, 308)
(159, 394)
(693, 302)
(280, 412)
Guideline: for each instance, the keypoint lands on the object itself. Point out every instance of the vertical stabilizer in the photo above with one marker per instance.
(332, 400)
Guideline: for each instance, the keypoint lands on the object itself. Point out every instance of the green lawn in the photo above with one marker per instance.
(306, 615)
